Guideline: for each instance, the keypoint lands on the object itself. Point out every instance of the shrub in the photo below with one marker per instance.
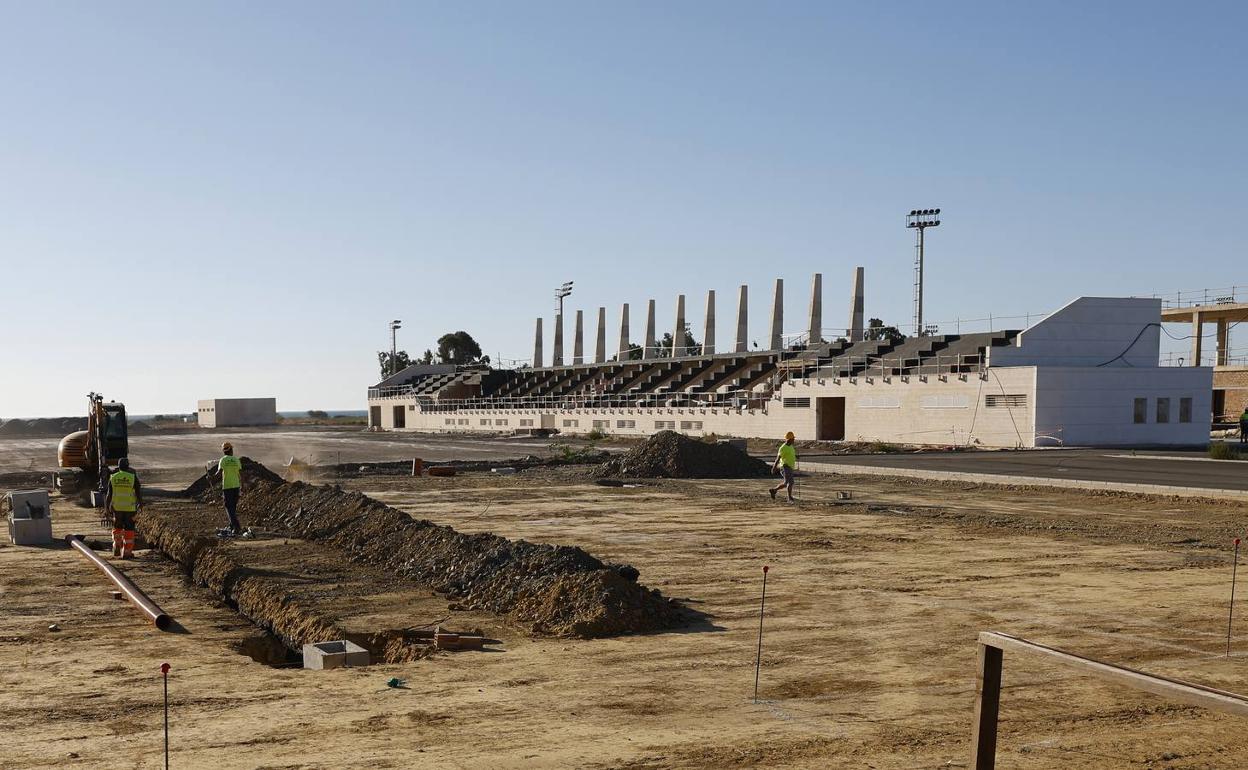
(596, 434)
(1223, 451)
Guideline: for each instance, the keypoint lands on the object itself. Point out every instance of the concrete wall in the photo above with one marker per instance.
(1090, 331)
(233, 412)
(1090, 406)
(1233, 382)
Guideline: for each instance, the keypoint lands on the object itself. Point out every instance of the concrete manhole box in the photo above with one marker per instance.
(323, 655)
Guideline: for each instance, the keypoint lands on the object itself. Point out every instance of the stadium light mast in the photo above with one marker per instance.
(395, 325)
(920, 220)
(563, 291)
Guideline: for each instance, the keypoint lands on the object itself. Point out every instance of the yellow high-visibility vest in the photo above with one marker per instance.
(122, 485)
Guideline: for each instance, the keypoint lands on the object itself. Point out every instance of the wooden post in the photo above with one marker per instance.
(987, 703)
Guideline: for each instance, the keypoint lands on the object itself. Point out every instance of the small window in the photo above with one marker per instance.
(1163, 410)
(500, 422)
(526, 423)
(797, 403)
(626, 423)
(463, 422)
(690, 425)
(1185, 410)
(450, 421)
(571, 423)
(485, 422)
(1005, 400)
(665, 425)
(1141, 411)
(602, 423)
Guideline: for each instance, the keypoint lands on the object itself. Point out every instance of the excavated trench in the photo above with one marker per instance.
(330, 564)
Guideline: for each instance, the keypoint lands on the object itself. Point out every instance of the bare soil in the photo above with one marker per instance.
(873, 605)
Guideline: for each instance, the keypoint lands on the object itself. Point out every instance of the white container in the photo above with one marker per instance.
(30, 517)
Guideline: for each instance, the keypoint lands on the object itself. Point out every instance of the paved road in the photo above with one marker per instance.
(1171, 468)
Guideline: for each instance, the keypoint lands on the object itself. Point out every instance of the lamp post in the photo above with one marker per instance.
(394, 348)
(920, 220)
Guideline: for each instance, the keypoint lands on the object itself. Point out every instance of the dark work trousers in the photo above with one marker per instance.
(231, 508)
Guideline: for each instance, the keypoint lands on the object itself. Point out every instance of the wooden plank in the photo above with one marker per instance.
(987, 704)
(1174, 689)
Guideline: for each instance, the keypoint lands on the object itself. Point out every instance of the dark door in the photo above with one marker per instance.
(400, 416)
(1219, 406)
(374, 417)
(830, 419)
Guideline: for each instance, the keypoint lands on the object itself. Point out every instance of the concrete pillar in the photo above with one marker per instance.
(600, 346)
(742, 320)
(678, 333)
(777, 317)
(856, 302)
(537, 346)
(1197, 324)
(814, 331)
(708, 337)
(1223, 340)
(624, 333)
(578, 339)
(557, 358)
(650, 350)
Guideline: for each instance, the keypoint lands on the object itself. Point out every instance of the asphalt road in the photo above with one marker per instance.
(1173, 468)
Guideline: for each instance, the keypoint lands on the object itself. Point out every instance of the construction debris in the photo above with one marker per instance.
(668, 454)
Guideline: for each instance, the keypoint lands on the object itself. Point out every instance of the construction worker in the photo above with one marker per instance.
(1243, 425)
(785, 465)
(123, 500)
(230, 469)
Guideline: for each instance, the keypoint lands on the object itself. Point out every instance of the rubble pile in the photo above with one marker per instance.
(670, 455)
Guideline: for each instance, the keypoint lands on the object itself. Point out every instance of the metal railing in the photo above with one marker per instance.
(1225, 295)
(885, 366)
(609, 401)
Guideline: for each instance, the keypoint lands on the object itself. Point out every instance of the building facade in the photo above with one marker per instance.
(236, 412)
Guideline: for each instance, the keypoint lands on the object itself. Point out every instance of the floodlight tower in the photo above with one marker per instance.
(920, 220)
(564, 290)
(395, 325)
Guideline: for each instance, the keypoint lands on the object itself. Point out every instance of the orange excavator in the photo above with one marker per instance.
(89, 452)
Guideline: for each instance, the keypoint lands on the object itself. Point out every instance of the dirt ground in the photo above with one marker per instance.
(868, 659)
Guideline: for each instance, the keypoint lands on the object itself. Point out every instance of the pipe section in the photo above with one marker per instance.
(132, 592)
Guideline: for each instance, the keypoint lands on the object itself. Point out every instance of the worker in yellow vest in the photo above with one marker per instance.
(125, 497)
(230, 469)
(785, 465)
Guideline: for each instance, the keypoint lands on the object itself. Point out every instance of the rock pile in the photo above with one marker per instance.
(670, 455)
(557, 590)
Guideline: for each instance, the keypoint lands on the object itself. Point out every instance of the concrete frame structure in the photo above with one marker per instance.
(708, 333)
(236, 412)
(857, 305)
(600, 342)
(776, 338)
(1086, 375)
(1230, 381)
(742, 320)
(578, 343)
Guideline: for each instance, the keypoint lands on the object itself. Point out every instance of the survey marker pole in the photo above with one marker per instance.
(164, 672)
(1230, 610)
(758, 660)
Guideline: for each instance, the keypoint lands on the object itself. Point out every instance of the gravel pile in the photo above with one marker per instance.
(556, 590)
(670, 455)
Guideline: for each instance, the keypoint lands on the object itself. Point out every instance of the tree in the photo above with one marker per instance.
(318, 414)
(460, 348)
(401, 361)
(634, 352)
(876, 330)
(426, 358)
(691, 346)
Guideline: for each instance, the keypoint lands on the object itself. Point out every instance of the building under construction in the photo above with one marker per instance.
(1087, 374)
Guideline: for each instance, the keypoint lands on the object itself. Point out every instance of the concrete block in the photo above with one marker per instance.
(324, 655)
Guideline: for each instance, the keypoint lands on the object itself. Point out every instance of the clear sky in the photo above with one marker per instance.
(233, 199)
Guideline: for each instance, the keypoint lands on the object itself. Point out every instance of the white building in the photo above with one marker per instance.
(236, 412)
(1086, 375)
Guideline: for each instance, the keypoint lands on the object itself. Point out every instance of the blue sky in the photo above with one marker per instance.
(232, 199)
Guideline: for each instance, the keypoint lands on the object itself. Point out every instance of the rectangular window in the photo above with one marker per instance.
(411, 407)
(485, 422)
(797, 403)
(665, 425)
(1185, 410)
(1005, 400)
(1141, 411)
(463, 422)
(626, 423)
(450, 421)
(690, 425)
(500, 422)
(602, 423)
(526, 423)
(571, 423)
(1163, 410)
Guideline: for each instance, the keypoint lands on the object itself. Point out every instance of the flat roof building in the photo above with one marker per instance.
(236, 412)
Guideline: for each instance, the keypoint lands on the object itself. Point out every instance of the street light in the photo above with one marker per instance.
(395, 325)
(920, 220)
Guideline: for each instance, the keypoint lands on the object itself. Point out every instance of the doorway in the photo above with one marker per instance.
(374, 417)
(830, 419)
(400, 416)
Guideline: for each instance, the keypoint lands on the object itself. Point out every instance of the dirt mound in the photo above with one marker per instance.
(670, 455)
(558, 590)
(43, 426)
